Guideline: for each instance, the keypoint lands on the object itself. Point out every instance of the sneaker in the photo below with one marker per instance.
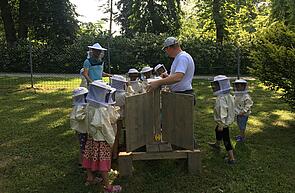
(214, 146)
(231, 162)
(240, 139)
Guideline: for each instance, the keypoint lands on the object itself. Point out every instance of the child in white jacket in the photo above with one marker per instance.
(102, 117)
(223, 115)
(243, 104)
(78, 118)
(134, 84)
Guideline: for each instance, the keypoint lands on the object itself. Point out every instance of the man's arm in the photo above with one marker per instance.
(171, 79)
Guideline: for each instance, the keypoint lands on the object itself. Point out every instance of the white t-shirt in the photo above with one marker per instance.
(183, 63)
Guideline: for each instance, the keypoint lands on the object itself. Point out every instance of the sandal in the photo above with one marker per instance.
(95, 181)
(114, 188)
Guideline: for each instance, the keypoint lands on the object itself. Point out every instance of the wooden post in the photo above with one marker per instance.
(125, 164)
(194, 162)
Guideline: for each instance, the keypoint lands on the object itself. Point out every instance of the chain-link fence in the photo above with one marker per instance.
(43, 66)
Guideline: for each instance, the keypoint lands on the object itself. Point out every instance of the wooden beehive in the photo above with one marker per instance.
(146, 120)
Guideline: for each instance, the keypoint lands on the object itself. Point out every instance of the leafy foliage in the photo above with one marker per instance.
(142, 49)
(274, 59)
(149, 16)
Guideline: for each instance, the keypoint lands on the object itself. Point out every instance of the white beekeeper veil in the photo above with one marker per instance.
(240, 86)
(100, 93)
(118, 82)
(159, 69)
(220, 85)
(79, 95)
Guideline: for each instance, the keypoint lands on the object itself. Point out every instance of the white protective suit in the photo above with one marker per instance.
(119, 83)
(78, 116)
(243, 104)
(224, 113)
(101, 121)
(102, 115)
(135, 87)
(243, 101)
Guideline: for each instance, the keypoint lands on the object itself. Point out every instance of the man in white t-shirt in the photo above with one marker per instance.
(181, 72)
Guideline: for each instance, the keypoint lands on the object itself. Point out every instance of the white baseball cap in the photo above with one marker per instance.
(96, 46)
(169, 42)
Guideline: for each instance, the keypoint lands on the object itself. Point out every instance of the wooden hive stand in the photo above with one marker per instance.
(158, 120)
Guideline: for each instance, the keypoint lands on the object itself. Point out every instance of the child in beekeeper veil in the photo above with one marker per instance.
(223, 115)
(120, 84)
(243, 104)
(102, 115)
(134, 84)
(146, 74)
(160, 69)
(78, 118)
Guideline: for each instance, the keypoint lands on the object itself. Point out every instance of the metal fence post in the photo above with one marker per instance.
(31, 65)
(239, 61)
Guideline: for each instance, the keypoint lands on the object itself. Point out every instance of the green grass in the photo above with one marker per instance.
(38, 150)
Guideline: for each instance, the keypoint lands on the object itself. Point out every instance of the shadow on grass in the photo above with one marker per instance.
(38, 150)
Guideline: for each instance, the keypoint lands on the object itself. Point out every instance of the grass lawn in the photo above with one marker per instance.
(38, 150)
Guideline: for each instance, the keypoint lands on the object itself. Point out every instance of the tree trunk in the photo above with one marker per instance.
(219, 21)
(23, 19)
(8, 22)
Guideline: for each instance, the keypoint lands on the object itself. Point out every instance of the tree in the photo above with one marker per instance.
(274, 56)
(50, 21)
(149, 16)
(8, 22)
(225, 19)
(284, 10)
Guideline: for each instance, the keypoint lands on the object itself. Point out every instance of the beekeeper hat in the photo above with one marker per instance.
(244, 89)
(240, 81)
(118, 82)
(96, 46)
(133, 71)
(101, 93)
(223, 84)
(146, 69)
(79, 91)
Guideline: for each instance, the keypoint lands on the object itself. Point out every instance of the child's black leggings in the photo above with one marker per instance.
(224, 135)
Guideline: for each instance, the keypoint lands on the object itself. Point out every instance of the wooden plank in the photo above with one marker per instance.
(134, 120)
(149, 117)
(125, 164)
(177, 121)
(184, 106)
(152, 148)
(168, 121)
(179, 154)
(165, 147)
(157, 111)
(194, 162)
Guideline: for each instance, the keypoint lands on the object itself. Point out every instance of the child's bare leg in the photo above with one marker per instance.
(90, 175)
(231, 155)
(105, 177)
